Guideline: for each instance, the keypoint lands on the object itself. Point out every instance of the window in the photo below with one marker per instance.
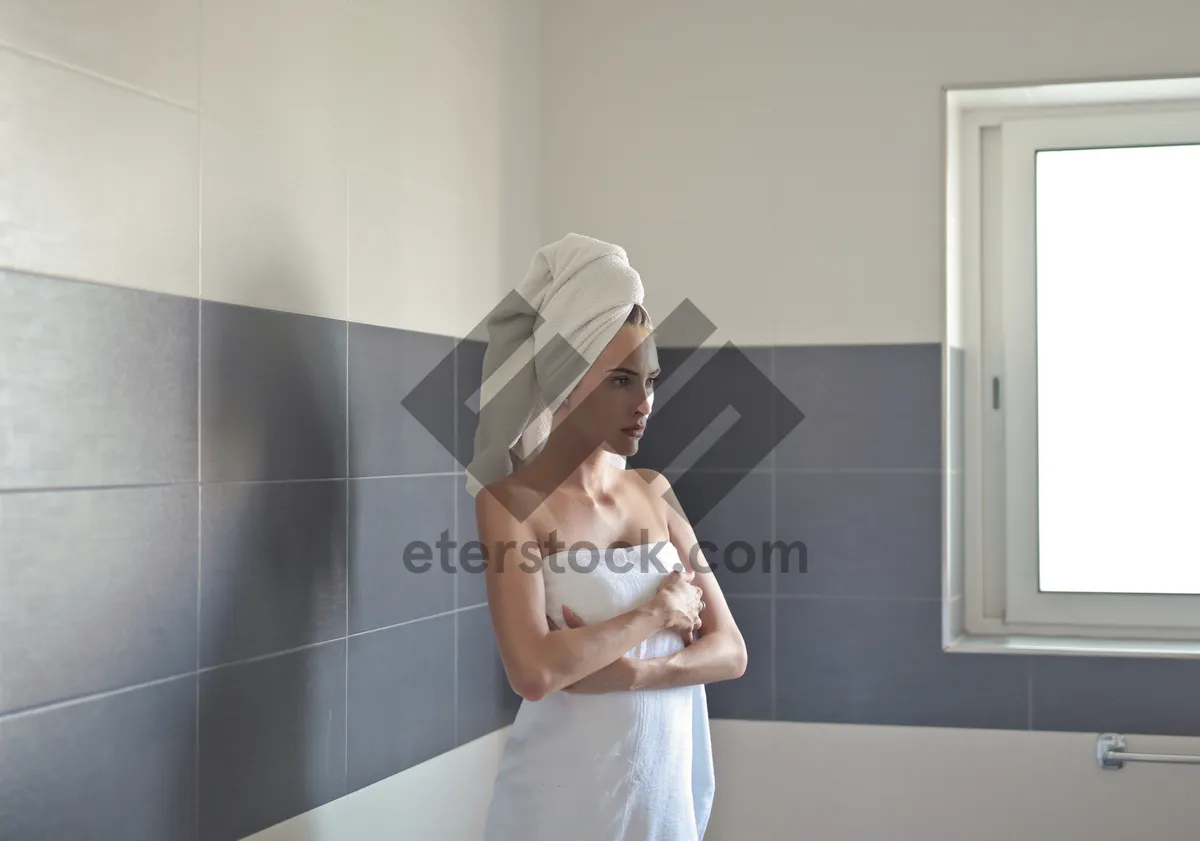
(1073, 422)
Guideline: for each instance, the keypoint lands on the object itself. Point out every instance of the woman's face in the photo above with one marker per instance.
(611, 403)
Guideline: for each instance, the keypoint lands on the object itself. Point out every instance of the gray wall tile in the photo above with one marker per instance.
(866, 406)
(873, 534)
(468, 360)
(469, 572)
(876, 661)
(99, 590)
(386, 439)
(1121, 694)
(955, 417)
(471, 586)
(486, 700)
(737, 526)
(695, 388)
(401, 693)
(105, 387)
(390, 519)
(98, 384)
(118, 766)
(273, 395)
(273, 571)
(272, 740)
(957, 548)
(751, 696)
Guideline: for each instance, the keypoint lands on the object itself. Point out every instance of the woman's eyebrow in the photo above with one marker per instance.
(631, 371)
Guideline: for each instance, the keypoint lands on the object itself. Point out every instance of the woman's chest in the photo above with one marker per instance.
(567, 523)
(598, 584)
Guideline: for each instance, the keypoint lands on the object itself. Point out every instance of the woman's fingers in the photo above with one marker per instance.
(573, 620)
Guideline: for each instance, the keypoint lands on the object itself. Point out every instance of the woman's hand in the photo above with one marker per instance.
(617, 676)
(682, 601)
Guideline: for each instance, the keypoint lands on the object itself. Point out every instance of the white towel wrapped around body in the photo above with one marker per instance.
(580, 289)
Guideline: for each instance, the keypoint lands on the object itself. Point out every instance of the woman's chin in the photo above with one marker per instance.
(627, 446)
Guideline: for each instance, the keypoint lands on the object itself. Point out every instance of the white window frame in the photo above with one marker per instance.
(991, 598)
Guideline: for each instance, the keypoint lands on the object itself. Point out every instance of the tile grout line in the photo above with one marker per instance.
(257, 658)
(92, 696)
(768, 471)
(346, 560)
(126, 87)
(346, 240)
(346, 496)
(63, 703)
(199, 402)
(1029, 695)
(920, 471)
(199, 629)
(454, 524)
(856, 597)
(410, 621)
(774, 606)
(134, 486)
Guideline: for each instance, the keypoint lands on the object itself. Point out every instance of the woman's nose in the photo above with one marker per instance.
(647, 401)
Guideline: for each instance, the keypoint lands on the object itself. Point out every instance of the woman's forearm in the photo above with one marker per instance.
(714, 657)
(574, 653)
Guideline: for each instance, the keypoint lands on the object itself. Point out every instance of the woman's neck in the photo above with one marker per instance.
(566, 464)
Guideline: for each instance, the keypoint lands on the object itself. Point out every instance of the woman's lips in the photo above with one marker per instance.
(634, 431)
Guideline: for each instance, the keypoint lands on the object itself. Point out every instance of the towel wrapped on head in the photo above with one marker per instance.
(541, 341)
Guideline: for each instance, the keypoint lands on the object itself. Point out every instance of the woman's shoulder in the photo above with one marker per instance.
(652, 479)
(654, 484)
(507, 500)
(658, 491)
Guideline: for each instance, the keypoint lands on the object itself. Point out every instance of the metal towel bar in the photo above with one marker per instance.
(1111, 754)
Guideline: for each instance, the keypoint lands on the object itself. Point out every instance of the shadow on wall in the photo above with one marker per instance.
(272, 737)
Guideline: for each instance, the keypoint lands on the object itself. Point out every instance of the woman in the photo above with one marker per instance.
(607, 621)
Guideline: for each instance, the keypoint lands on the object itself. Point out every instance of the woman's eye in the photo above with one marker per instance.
(624, 380)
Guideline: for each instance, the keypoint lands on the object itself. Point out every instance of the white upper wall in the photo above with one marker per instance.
(368, 159)
(399, 162)
(780, 163)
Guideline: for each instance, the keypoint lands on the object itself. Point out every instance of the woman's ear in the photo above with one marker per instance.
(561, 410)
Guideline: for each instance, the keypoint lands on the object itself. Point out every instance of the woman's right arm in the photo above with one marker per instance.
(539, 661)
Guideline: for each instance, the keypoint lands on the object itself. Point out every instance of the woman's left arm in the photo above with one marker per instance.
(720, 651)
(718, 654)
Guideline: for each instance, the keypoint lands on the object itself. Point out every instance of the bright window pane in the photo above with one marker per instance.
(1118, 369)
